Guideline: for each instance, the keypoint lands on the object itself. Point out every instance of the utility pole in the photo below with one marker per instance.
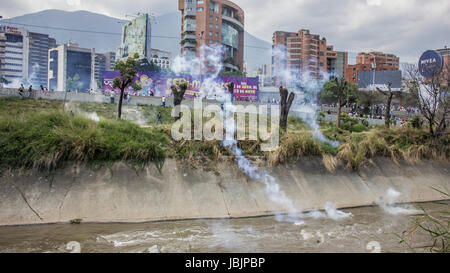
(374, 67)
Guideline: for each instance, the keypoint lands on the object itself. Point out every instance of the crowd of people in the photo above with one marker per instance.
(32, 93)
(398, 114)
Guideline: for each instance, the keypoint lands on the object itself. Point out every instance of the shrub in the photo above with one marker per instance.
(365, 122)
(415, 122)
(358, 128)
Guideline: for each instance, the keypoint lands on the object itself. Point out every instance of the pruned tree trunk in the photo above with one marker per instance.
(286, 104)
(178, 96)
(387, 117)
(338, 123)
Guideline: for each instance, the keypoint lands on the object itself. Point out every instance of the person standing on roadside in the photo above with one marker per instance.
(125, 97)
(164, 101)
(111, 97)
(30, 92)
(21, 91)
(159, 118)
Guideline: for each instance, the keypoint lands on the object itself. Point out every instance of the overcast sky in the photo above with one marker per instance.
(403, 27)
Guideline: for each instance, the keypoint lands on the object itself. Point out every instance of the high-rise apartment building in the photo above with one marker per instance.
(38, 57)
(382, 60)
(24, 55)
(445, 53)
(68, 60)
(371, 61)
(14, 46)
(110, 60)
(209, 22)
(100, 67)
(136, 38)
(161, 58)
(299, 52)
(339, 65)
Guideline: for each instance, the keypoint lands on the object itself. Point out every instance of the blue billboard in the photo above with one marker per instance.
(380, 79)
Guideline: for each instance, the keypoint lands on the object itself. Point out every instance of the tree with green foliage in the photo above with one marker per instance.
(74, 83)
(329, 93)
(127, 70)
(178, 92)
(338, 91)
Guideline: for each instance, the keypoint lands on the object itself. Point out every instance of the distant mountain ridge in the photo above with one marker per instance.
(165, 32)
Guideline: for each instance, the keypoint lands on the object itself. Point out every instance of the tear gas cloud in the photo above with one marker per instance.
(212, 57)
(306, 88)
(388, 204)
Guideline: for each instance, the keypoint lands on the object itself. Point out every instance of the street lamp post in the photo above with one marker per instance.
(374, 66)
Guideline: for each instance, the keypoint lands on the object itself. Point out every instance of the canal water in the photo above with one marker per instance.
(367, 229)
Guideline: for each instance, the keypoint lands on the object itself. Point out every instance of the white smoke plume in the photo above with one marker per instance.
(26, 81)
(73, 108)
(387, 203)
(212, 57)
(306, 88)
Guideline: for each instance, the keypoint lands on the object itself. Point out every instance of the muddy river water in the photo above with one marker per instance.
(367, 229)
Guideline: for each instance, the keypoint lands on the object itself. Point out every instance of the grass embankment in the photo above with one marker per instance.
(37, 133)
(44, 138)
(358, 143)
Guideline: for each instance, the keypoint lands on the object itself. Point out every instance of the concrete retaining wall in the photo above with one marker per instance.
(85, 97)
(122, 195)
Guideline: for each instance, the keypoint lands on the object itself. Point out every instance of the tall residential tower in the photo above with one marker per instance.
(208, 22)
(304, 52)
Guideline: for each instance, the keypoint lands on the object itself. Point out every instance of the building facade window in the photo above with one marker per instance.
(214, 7)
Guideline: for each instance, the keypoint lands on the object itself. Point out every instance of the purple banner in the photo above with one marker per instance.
(158, 84)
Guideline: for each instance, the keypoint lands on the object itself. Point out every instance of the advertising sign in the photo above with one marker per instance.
(367, 79)
(158, 85)
(430, 63)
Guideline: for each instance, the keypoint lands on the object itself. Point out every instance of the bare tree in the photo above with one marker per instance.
(389, 94)
(434, 99)
(286, 104)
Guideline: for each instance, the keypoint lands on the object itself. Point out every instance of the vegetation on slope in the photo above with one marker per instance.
(38, 134)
